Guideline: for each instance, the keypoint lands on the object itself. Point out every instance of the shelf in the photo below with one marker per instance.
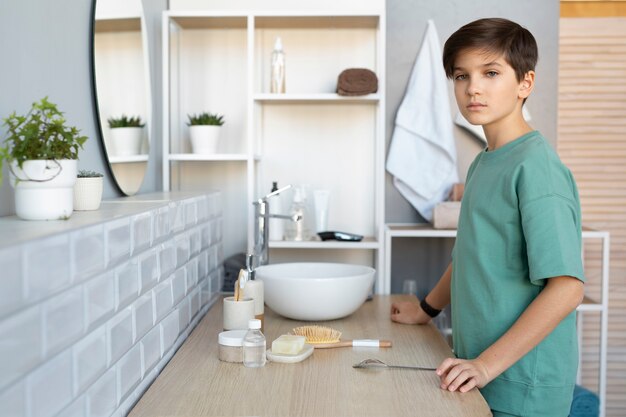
(366, 243)
(128, 159)
(315, 98)
(216, 157)
(589, 304)
(127, 24)
(194, 20)
(297, 21)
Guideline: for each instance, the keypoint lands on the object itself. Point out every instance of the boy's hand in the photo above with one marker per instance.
(408, 312)
(463, 375)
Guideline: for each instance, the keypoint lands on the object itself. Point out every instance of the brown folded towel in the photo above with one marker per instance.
(357, 82)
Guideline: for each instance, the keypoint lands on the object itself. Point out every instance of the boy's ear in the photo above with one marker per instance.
(526, 85)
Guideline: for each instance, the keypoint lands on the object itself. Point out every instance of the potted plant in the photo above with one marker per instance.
(41, 152)
(88, 190)
(204, 131)
(126, 135)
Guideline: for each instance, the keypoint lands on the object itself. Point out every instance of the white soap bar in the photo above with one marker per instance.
(288, 344)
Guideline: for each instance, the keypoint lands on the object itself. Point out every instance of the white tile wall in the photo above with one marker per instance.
(11, 284)
(88, 318)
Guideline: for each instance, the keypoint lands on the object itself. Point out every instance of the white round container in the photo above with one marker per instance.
(204, 138)
(230, 345)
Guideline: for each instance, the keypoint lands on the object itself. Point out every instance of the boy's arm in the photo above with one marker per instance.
(560, 297)
(408, 312)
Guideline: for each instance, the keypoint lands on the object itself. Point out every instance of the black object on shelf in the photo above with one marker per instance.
(341, 236)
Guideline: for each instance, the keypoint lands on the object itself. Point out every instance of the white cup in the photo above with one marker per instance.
(237, 313)
(409, 286)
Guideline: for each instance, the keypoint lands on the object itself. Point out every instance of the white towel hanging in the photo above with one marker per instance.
(422, 154)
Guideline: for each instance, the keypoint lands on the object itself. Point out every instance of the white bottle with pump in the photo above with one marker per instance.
(254, 345)
(276, 225)
(277, 83)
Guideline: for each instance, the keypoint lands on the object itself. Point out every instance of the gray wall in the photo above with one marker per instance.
(426, 259)
(44, 47)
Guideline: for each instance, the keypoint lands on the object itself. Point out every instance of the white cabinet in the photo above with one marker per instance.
(220, 62)
(589, 304)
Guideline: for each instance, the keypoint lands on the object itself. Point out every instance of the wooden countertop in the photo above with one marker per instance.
(196, 383)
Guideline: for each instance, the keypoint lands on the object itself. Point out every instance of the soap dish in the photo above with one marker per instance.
(306, 351)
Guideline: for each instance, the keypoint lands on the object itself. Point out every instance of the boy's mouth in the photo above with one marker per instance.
(475, 106)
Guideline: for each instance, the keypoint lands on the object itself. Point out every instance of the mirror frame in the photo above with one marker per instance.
(96, 106)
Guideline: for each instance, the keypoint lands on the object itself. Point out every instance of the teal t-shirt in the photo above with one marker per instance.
(519, 224)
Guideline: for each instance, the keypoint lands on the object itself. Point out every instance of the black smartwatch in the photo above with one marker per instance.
(428, 309)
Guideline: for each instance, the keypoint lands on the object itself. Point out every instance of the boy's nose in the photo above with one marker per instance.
(473, 88)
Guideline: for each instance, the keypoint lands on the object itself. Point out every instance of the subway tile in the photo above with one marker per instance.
(169, 331)
(148, 271)
(191, 212)
(202, 208)
(47, 264)
(192, 274)
(143, 315)
(195, 302)
(162, 300)
(194, 241)
(216, 284)
(162, 224)
(167, 258)
(212, 257)
(126, 284)
(11, 284)
(78, 408)
(205, 292)
(21, 345)
(128, 372)
(218, 230)
(183, 315)
(205, 235)
(177, 217)
(179, 285)
(89, 359)
(203, 264)
(49, 388)
(220, 277)
(13, 400)
(117, 238)
(141, 232)
(119, 335)
(102, 396)
(63, 320)
(151, 349)
(182, 250)
(88, 253)
(99, 299)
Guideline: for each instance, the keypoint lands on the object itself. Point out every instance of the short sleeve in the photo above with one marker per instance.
(552, 230)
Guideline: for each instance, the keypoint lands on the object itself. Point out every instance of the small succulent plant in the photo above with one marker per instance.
(85, 173)
(125, 121)
(206, 119)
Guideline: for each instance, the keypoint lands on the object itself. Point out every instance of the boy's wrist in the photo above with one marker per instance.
(428, 309)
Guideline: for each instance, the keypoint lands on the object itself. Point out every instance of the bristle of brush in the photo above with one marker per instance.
(317, 334)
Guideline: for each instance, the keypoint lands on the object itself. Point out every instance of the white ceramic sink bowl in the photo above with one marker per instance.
(315, 291)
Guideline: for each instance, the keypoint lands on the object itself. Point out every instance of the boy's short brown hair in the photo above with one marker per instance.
(494, 35)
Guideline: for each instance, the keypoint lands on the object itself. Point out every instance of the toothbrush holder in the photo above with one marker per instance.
(237, 313)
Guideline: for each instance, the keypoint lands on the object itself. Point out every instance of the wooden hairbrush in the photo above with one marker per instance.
(321, 337)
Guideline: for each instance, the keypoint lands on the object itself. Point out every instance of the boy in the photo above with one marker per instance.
(516, 275)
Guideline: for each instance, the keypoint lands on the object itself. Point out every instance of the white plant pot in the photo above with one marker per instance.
(88, 193)
(204, 139)
(44, 189)
(126, 141)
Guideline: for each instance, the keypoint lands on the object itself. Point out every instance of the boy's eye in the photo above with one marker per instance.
(460, 77)
(491, 73)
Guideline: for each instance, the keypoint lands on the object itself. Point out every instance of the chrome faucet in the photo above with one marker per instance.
(261, 225)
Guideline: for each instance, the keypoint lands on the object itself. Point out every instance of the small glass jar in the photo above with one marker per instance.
(230, 346)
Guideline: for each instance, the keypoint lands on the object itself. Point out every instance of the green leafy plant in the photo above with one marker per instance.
(125, 121)
(84, 173)
(40, 134)
(205, 119)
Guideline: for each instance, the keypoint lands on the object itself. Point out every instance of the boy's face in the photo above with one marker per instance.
(487, 90)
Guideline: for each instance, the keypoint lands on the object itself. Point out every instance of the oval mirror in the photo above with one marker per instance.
(121, 82)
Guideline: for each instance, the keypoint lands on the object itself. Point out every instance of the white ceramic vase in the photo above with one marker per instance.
(44, 189)
(204, 138)
(88, 193)
(126, 141)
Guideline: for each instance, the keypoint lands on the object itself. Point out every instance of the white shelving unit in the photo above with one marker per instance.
(410, 230)
(219, 61)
